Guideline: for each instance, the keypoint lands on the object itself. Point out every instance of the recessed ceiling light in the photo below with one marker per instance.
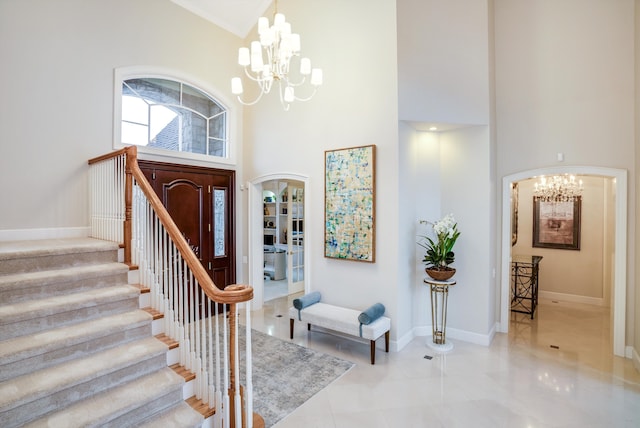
(433, 128)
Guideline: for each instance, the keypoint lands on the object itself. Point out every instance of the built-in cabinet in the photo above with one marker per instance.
(277, 211)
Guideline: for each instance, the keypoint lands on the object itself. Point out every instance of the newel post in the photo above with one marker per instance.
(233, 369)
(131, 159)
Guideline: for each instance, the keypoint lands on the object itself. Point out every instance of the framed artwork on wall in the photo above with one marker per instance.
(556, 224)
(349, 207)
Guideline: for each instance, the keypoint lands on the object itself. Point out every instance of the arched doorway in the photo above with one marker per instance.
(620, 243)
(256, 235)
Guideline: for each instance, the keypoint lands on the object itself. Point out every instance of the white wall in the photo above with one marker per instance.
(449, 173)
(420, 197)
(58, 60)
(564, 72)
(565, 84)
(636, 342)
(443, 61)
(357, 105)
(466, 192)
(444, 56)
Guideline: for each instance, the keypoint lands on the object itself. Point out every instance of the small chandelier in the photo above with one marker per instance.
(558, 188)
(280, 47)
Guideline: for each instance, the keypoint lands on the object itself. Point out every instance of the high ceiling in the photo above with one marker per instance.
(236, 16)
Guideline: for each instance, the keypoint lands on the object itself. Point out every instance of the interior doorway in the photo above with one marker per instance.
(283, 238)
(619, 180)
(278, 242)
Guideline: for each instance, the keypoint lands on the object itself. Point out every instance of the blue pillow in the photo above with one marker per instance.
(371, 314)
(306, 300)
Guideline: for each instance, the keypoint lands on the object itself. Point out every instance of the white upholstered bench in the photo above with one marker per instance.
(343, 320)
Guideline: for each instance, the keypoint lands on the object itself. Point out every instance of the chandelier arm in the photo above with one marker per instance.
(254, 78)
(265, 84)
(271, 61)
(252, 102)
(295, 84)
(315, 89)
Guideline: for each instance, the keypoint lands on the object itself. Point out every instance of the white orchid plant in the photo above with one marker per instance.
(439, 253)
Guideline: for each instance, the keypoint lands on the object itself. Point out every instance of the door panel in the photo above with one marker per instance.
(295, 251)
(185, 201)
(201, 203)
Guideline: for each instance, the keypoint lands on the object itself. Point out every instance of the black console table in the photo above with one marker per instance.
(524, 284)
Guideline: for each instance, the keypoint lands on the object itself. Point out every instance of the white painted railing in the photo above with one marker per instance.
(107, 205)
(202, 318)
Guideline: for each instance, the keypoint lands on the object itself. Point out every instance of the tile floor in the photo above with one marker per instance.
(518, 381)
(274, 289)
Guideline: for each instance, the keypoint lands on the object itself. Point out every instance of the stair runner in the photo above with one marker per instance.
(75, 348)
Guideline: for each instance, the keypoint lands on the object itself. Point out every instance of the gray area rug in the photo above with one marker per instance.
(285, 375)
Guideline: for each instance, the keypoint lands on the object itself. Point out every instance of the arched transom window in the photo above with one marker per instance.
(166, 114)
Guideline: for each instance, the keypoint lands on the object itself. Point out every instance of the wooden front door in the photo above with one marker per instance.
(201, 203)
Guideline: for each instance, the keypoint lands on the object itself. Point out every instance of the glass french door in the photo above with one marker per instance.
(295, 247)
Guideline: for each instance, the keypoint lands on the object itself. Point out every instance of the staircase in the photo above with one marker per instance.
(75, 348)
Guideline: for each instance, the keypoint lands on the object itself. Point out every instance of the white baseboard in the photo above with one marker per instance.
(501, 327)
(574, 298)
(454, 333)
(47, 233)
(403, 341)
(467, 336)
(635, 358)
(630, 352)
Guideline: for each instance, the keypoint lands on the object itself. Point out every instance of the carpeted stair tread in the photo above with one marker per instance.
(27, 256)
(179, 416)
(65, 303)
(25, 354)
(28, 396)
(20, 249)
(30, 285)
(127, 405)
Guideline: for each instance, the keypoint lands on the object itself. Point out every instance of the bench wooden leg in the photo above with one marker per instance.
(290, 328)
(373, 347)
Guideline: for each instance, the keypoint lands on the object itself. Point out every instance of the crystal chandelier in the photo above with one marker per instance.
(558, 188)
(280, 47)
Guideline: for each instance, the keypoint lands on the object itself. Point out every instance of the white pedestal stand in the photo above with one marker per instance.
(439, 295)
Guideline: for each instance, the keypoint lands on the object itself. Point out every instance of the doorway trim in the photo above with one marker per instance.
(254, 233)
(620, 243)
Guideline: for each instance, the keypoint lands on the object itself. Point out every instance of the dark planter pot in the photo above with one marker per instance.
(441, 273)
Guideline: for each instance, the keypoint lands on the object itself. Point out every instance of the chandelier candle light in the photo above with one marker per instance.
(558, 188)
(281, 46)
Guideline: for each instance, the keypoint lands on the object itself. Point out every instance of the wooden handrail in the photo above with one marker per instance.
(111, 155)
(230, 295)
(235, 293)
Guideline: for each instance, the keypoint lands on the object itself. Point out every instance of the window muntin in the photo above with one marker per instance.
(171, 115)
